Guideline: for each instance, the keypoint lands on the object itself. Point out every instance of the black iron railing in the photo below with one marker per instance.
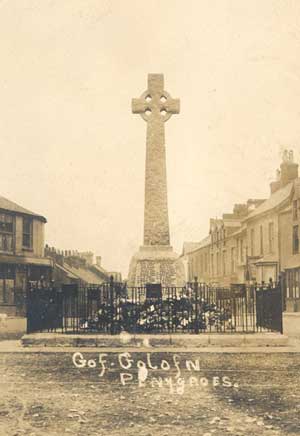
(269, 307)
(114, 307)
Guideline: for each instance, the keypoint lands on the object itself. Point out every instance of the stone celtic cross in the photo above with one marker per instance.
(156, 106)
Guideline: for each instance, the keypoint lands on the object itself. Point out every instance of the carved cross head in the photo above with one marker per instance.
(155, 104)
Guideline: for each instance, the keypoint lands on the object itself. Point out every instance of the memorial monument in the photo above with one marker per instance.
(156, 261)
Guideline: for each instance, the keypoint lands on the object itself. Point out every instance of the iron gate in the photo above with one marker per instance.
(269, 306)
(44, 309)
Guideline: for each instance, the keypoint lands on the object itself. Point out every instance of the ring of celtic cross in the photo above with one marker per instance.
(156, 106)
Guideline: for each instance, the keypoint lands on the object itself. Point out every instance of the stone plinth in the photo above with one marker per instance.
(156, 264)
(204, 342)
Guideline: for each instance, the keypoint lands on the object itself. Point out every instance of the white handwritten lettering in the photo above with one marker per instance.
(226, 382)
(125, 377)
(142, 375)
(165, 365)
(149, 362)
(169, 382)
(180, 386)
(216, 381)
(81, 362)
(192, 366)
(125, 360)
(102, 363)
(156, 382)
(176, 379)
(203, 381)
(176, 361)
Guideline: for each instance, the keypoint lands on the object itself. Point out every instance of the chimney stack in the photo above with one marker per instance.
(98, 260)
(287, 173)
(240, 210)
(274, 186)
(289, 169)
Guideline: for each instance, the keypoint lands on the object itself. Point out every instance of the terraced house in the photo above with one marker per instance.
(257, 242)
(21, 255)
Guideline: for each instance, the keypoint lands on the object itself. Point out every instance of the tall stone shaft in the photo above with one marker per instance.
(156, 219)
(156, 106)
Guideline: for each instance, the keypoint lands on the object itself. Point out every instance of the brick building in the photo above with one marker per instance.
(257, 242)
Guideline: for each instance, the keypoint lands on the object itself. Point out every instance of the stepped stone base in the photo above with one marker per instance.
(178, 341)
(156, 264)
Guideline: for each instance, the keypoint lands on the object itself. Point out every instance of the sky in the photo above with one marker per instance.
(73, 151)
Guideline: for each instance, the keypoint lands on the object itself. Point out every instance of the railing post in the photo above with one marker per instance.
(281, 307)
(27, 308)
(112, 304)
(196, 305)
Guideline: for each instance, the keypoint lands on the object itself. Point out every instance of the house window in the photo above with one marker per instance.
(242, 250)
(224, 263)
(7, 282)
(261, 240)
(296, 291)
(271, 237)
(252, 242)
(295, 209)
(191, 269)
(27, 233)
(6, 232)
(295, 239)
(199, 265)
(232, 260)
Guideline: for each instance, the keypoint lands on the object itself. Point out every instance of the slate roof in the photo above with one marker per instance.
(101, 270)
(205, 241)
(275, 200)
(238, 232)
(10, 206)
(188, 247)
(68, 273)
(84, 274)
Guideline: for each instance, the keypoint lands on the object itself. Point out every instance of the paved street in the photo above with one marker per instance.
(181, 394)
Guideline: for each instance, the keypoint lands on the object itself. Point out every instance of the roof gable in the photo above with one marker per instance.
(10, 206)
(84, 274)
(274, 201)
(189, 247)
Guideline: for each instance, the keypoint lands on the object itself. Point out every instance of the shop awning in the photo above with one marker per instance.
(26, 260)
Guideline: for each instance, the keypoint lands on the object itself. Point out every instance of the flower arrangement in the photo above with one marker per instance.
(174, 314)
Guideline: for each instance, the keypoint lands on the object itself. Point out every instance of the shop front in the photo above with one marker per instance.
(15, 273)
